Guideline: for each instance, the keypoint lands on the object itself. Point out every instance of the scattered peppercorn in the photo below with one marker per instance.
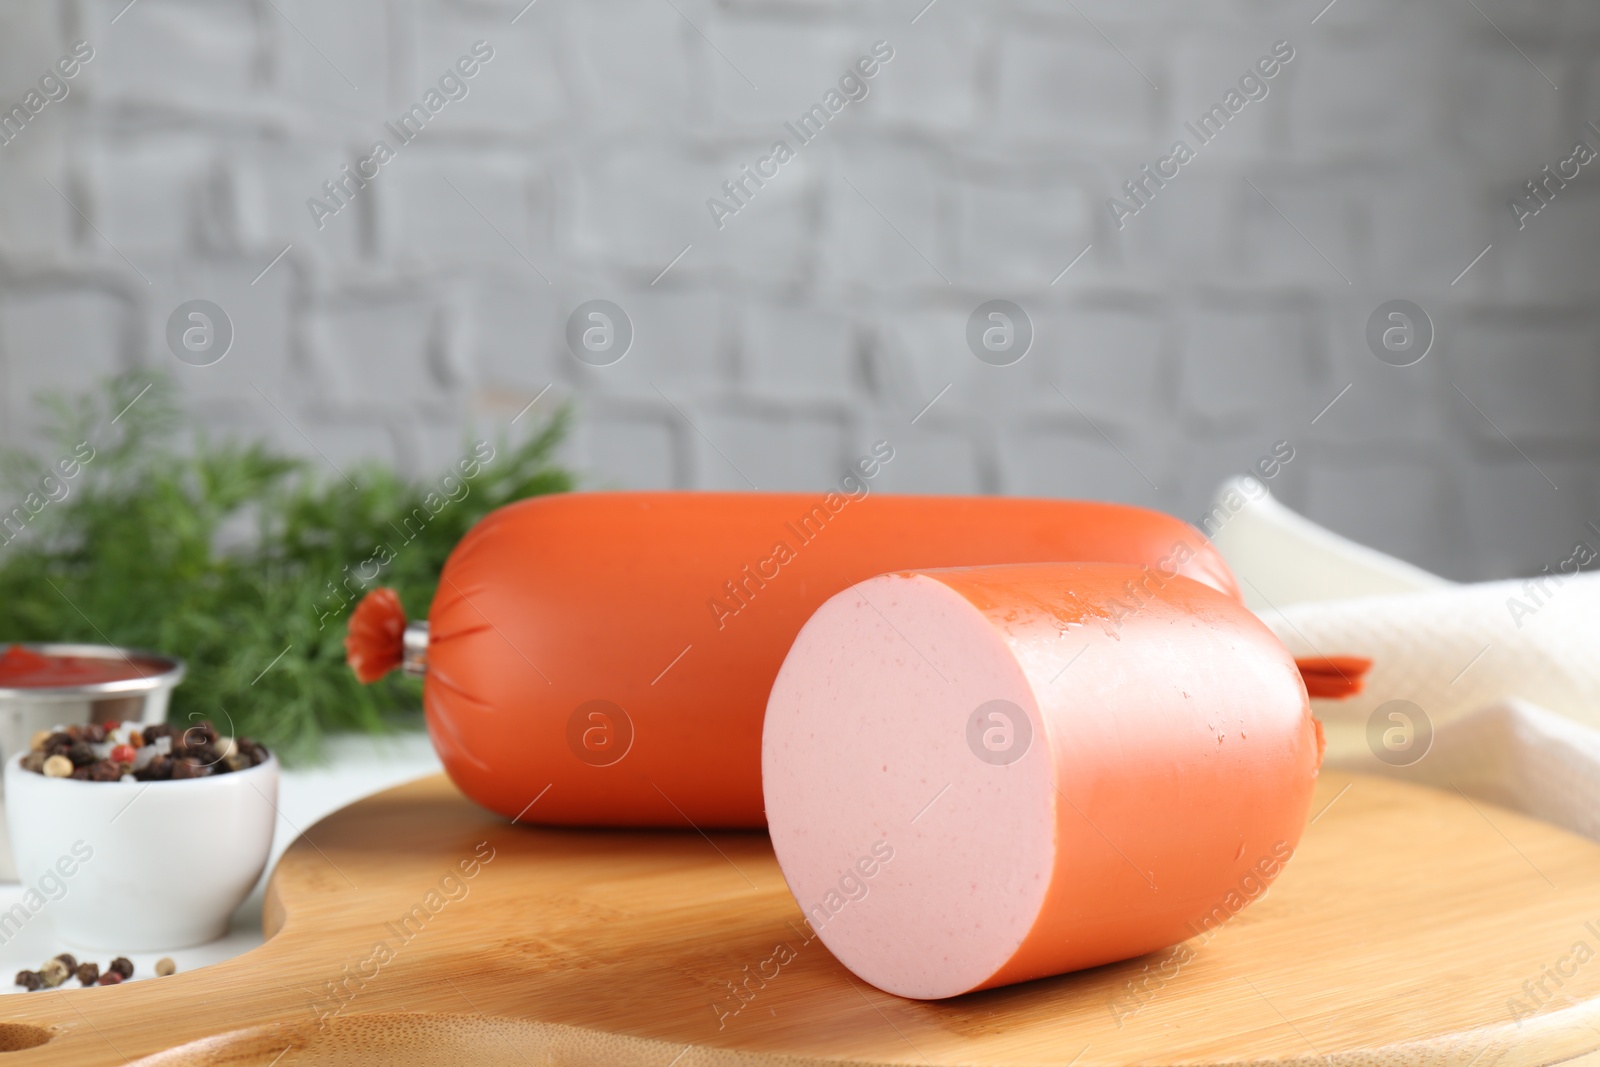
(81, 753)
(64, 966)
(53, 973)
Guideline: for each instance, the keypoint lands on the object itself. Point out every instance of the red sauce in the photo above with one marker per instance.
(22, 668)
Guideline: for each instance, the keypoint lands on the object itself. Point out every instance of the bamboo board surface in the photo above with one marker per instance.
(1412, 927)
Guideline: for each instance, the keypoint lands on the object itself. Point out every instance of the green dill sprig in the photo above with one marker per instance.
(242, 561)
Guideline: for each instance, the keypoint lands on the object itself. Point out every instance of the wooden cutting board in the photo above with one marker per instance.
(1412, 927)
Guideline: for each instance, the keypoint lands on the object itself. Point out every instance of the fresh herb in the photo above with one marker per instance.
(241, 560)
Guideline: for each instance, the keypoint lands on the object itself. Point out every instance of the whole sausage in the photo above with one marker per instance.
(605, 658)
(984, 775)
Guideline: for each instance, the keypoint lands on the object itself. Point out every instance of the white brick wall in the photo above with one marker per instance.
(832, 309)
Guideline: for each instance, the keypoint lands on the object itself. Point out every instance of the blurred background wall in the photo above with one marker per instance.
(1224, 316)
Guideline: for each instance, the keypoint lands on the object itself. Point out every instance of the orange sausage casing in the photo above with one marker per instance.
(611, 654)
(984, 775)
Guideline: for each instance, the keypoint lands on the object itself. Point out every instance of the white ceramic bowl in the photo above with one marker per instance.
(138, 866)
(140, 699)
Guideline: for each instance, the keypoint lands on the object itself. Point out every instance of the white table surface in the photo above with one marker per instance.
(357, 765)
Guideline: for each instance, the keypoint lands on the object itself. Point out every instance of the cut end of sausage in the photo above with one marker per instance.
(904, 769)
(985, 775)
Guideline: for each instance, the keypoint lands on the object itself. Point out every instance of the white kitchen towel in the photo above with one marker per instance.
(1517, 755)
(1454, 650)
(1491, 689)
(1282, 558)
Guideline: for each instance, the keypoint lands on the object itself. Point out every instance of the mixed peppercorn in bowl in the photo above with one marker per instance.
(141, 752)
(92, 808)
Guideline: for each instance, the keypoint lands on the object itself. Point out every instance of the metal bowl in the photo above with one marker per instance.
(25, 711)
(144, 699)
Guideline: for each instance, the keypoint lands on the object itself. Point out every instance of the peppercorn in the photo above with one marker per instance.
(159, 769)
(105, 771)
(53, 973)
(155, 731)
(29, 980)
(58, 743)
(69, 959)
(81, 753)
(58, 766)
(94, 733)
(165, 966)
(34, 761)
(189, 767)
(197, 740)
(80, 774)
(110, 978)
(121, 965)
(88, 973)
